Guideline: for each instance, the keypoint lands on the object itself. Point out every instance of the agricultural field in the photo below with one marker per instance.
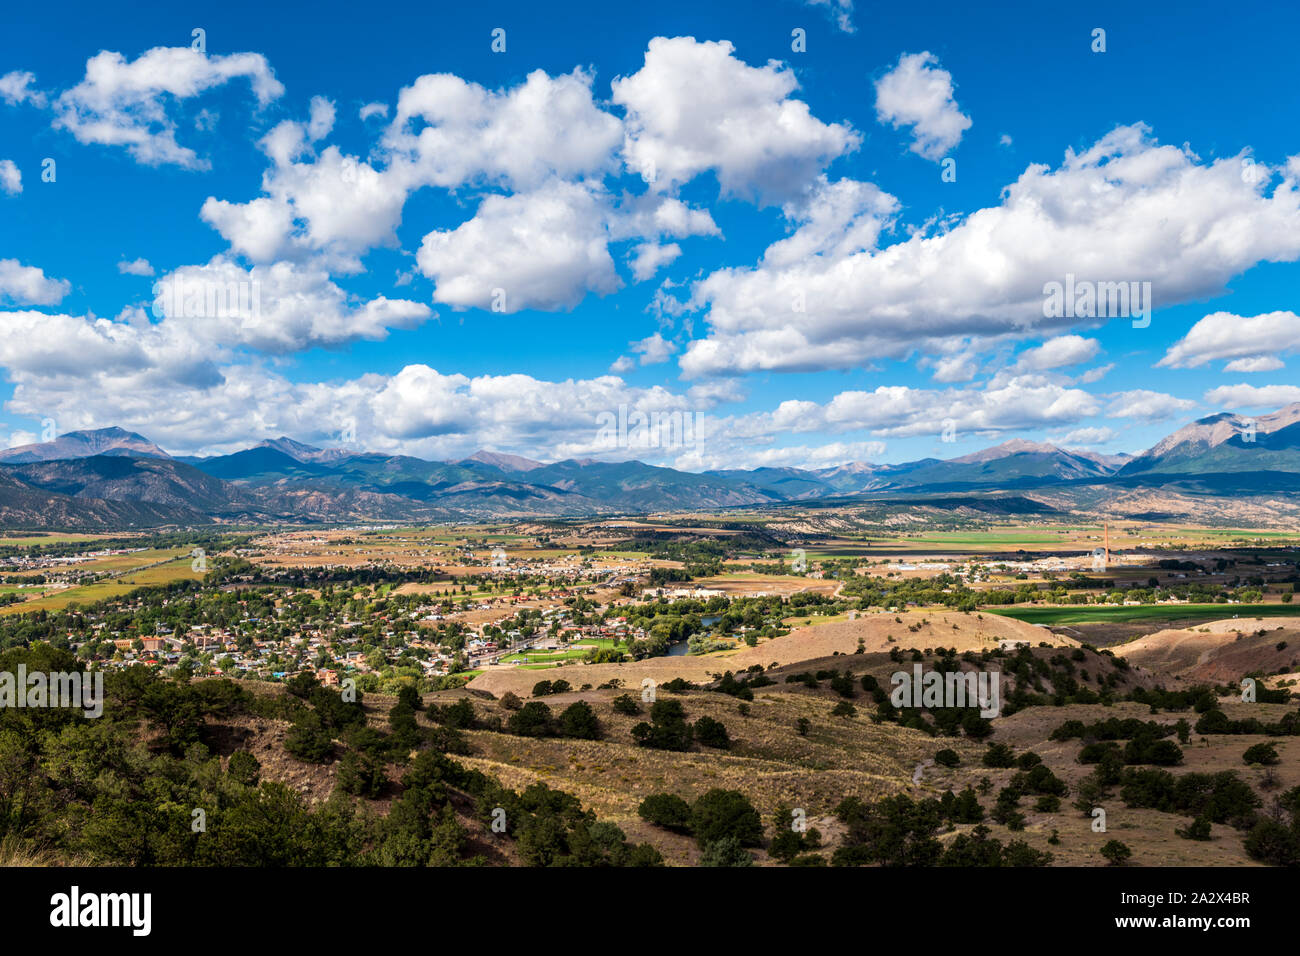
(1144, 612)
(129, 572)
(27, 541)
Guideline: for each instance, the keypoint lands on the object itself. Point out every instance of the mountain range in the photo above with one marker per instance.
(113, 478)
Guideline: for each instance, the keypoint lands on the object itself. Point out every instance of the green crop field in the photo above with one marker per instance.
(174, 570)
(26, 541)
(991, 538)
(1093, 613)
(164, 573)
(1244, 533)
(58, 600)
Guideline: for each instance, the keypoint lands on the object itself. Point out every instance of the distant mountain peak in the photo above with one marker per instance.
(1013, 446)
(294, 449)
(113, 477)
(1214, 430)
(1208, 444)
(302, 452)
(87, 443)
(504, 462)
(853, 468)
(1113, 462)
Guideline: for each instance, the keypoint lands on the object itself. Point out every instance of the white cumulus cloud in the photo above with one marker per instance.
(1124, 210)
(28, 285)
(11, 180)
(1223, 335)
(124, 103)
(918, 93)
(1253, 396)
(1059, 352)
(135, 267)
(539, 250)
(695, 107)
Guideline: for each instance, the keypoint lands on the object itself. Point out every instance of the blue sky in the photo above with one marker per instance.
(817, 256)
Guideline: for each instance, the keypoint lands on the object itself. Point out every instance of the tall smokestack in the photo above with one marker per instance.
(1107, 543)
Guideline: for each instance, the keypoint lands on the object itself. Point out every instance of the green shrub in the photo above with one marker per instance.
(712, 733)
(947, 758)
(1264, 754)
(666, 810)
(579, 720)
(720, 814)
(244, 768)
(531, 720)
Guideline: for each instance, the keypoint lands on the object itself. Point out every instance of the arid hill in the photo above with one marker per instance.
(1218, 651)
(909, 629)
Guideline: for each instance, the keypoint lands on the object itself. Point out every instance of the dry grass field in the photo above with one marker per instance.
(1218, 651)
(840, 756)
(769, 761)
(908, 629)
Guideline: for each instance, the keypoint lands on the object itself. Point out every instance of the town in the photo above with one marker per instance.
(386, 606)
